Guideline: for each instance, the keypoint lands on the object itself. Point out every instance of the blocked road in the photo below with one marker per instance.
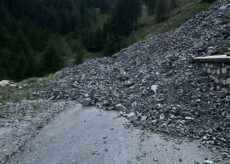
(91, 136)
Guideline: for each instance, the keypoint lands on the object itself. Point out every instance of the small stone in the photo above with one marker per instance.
(154, 88)
(155, 160)
(86, 102)
(143, 118)
(95, 153)
(223, 8)
(189, 118)
(120, 107)
(104, 137)
(130, 115)
(208, 162)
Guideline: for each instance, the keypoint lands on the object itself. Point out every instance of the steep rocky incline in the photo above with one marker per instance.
(154, 84)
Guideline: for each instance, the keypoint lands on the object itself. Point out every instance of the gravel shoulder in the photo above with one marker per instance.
(20, 122)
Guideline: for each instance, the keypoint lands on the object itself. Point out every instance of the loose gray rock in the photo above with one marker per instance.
(120, 107)
(86, 102)
(223, 8)
(208, 162)
(130, 115)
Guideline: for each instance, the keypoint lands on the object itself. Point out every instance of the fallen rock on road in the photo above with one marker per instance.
(155, 80)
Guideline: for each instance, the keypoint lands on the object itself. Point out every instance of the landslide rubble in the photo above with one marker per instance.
(154, 84)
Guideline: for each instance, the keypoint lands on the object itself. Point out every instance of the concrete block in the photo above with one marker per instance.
(218, 87)
(211, 66)
(213, 71)
(217, 81)
(227, 81)
(225, 90)
(218, 71)
(224, 70)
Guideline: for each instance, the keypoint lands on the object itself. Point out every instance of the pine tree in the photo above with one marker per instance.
(78, 52)
(52, 56)
(5, 63)
(173, 4)
(162, 10)
(151, 6)
(23, 57)
(110, 46)
(4, 36)
(123, 19)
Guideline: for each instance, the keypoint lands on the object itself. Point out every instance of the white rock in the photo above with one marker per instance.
(120, 107)
(4, 83)
(154, 88)
(208, 162)
(130, 115)
(189, 118)
(223, 8)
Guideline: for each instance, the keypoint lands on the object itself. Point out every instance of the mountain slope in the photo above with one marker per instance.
(155, 85)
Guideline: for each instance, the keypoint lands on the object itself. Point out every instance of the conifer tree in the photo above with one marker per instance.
(4, 36)
(110, 46)
(52, 56)
(78, 52)
(173, 4)
(151, 6)
(162, 10)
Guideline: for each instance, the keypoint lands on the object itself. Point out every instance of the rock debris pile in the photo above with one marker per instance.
(154, 84)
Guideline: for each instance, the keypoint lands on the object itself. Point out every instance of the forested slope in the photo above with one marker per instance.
(39, 36)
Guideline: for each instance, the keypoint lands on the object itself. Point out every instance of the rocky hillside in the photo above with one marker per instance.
(154, 84)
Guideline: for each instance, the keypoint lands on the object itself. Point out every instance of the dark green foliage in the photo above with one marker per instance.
(124, 17)
(173, 4)
(52, 56)
(30, 31)
(93, 39)
(162, 10)
(24, 59)
(151, 6)
(209, 1)
(4, 36)
(78, 52)
(28, 46)
(110, 45)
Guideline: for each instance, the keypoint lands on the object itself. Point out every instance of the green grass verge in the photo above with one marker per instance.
(148, 26)
(24, 90)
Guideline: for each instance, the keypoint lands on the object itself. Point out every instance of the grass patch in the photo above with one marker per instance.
(24, 89)
(92, 55)
(224, 46)
(147, 25)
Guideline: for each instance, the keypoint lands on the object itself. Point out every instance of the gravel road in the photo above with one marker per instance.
(92, 136)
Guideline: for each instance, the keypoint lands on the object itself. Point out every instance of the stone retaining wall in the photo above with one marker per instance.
(220, 73)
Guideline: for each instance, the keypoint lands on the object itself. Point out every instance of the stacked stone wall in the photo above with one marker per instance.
(220, 73)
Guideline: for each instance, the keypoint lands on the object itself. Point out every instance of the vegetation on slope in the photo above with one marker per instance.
(41, 36)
